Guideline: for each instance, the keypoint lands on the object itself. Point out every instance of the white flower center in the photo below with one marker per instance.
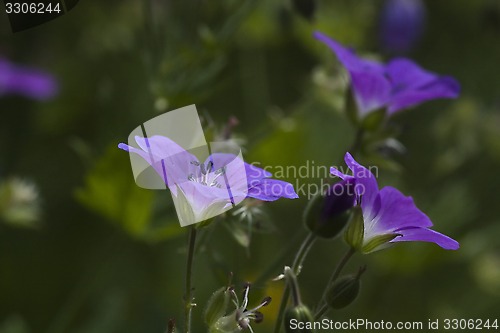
(206, 175)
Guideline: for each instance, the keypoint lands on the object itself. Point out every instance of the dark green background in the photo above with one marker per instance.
(109, 257)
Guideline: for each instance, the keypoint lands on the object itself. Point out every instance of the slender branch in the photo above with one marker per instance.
(322, 311)
(188, 297)
(341, 265)
(332, 280)
(302, 253)
(297, 264)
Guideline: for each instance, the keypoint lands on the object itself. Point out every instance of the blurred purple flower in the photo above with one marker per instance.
(401, 24)
(388, 212)
(204, 189)
(397, 85)
(28, 82)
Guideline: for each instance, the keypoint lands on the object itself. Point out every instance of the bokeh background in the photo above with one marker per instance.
(84, 250)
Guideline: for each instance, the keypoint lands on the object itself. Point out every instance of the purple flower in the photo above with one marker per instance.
(27, 82)
(397, 85)
(203, 189)
(389, 215)
(401, 24)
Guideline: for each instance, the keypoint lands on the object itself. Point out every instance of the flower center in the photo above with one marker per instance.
(205, 174)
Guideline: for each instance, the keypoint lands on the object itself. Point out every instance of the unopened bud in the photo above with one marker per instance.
(298, 314)
(344, 291)
(327, 216)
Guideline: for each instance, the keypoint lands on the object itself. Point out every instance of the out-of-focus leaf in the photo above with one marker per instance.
(241, 234)
(19, 203)
(110, 191)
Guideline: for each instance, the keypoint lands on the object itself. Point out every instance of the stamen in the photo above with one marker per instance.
(245, 295)
(236, 301)
(220, 171)
(263, 303)
(210, 166)
(266, 301)
(241, 320)
(259, 317)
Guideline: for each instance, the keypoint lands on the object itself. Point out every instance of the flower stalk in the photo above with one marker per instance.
(296, 267)
(323, 308)
(188, 297)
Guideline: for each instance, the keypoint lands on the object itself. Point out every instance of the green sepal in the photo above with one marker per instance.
(217, 305)
(205, 223)
(355, 231)
(377, 243)
(373, 120)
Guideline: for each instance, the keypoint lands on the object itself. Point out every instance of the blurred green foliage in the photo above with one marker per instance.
(107, 256)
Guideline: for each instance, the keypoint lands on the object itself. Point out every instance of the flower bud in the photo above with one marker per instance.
(299, 314)
(327, 216)
(344, 291)
(217, 305)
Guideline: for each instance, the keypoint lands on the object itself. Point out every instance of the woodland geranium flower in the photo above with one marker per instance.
(397, 85)
(203, 189)
(27, 82)
(388, 214)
